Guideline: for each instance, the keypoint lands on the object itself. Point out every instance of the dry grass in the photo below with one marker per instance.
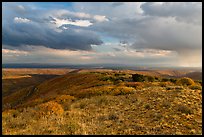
(148, 111)
(82, 103)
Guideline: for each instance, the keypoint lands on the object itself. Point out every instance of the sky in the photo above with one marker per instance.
(129, 33)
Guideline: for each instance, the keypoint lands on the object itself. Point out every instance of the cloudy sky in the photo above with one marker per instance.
(132, 33)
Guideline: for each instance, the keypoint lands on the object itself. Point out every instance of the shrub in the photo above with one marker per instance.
(117, 82)
(157, 78)
(49, 108)
(169, 88)
(117, 74)
(65, 101)
(106, 78)
(156, 116)
(138, 78)
(64, 98)
(185, 81)
(82, 105)
(199, 82)
(184, 109)
(106, 90)
(120, 78)
(150, 78)
(147, 106)
(122, 90)
(165, 79)
(194, 87)
(113, 117)
(173, 80)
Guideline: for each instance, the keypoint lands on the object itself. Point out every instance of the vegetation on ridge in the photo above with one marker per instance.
(105, 103)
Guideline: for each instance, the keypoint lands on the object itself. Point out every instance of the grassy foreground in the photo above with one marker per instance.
(104, 103)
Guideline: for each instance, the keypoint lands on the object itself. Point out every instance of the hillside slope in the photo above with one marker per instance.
(103, 103)
(194, 75)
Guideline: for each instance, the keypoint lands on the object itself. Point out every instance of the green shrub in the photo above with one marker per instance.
(194, 87)
(106, 78)
(149, 78)
(165, 79)
(138, 78)
(117, 74)
(199, 82)
(173, 80)
(147, 106)
(157, 78)
(185, 81)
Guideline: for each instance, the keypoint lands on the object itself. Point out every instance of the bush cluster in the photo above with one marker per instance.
(49, 108)
(142, 78)
(106, 90)
(138, 78)
(185, 81)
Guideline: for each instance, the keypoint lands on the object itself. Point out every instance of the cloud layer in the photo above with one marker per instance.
(25, 29)
(110, 32)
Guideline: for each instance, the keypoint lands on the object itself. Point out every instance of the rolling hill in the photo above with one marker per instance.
(102, 102)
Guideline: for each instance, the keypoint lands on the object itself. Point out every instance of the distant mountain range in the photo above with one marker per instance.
(94, 66)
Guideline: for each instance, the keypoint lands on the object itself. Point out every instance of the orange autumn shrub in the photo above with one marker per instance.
(185, 81)
(49, 108)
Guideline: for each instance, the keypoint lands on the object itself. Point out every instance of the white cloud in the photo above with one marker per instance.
(9, 52)
(21, 7)
(81, 23)
(100, 18)
(65, 27)
(21, 20)
(66, 14)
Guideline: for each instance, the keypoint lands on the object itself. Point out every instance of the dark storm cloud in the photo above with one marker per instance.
(30, 34)
(38, 32)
